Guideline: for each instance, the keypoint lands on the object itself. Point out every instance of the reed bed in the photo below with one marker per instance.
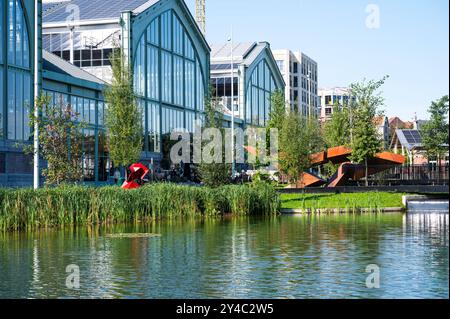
(76, 205)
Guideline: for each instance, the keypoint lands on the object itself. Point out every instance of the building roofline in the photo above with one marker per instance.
(194, 22)
(151, 3)
(85, 22)
(116, 20)
(238, 57)
(268, 48)
(90, 80)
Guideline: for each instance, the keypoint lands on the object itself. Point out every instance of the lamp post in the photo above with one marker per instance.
(36, 97)
(233, 165)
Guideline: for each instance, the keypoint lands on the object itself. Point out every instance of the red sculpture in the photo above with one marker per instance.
(136, 177)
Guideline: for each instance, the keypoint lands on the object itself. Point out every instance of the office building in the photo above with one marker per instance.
(300, 74)
(330, 97)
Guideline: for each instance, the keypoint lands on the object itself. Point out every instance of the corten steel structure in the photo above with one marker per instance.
(254, 74)
(347, 170)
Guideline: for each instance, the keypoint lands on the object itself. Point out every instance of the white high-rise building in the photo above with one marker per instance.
(300, 73)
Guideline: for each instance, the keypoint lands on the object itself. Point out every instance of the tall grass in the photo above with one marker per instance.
(48, 207)
(348, 203)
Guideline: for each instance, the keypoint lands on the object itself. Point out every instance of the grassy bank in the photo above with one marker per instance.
(348, 201)
(48, 207)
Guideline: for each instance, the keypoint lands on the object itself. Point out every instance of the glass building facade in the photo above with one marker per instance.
(169, 80)
(253, 78)
(260, 87)
(16, 88)
(91, 111)
(16, 98)
(15, 72)
(170, 60)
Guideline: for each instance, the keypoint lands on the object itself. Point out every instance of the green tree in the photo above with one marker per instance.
(299, 138)
(60, 141)
(337, 129)
(314, 135)
(277, 115)
(366, 139)
(336, 132)
(214, 174)
(278, 112)
(123, 119)
(435, 132)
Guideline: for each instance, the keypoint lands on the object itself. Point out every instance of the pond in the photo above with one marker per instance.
(279, 257)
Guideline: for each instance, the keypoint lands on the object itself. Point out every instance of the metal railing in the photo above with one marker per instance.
(412, 175)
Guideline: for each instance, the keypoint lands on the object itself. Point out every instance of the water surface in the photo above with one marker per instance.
(282, 257)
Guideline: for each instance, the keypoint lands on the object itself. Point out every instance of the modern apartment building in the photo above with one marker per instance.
(329, 97)
(300, 74)
(255, 76)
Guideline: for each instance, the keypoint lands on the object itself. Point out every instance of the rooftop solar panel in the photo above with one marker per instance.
(89, 9)
(224, 49)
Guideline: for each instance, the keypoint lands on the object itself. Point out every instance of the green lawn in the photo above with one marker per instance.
(343, 201)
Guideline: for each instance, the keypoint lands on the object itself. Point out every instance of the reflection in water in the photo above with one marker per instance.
(283, 257)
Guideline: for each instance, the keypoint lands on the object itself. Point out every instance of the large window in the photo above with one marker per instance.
(168, 79)
(261, 85)
(280, 64)
(96, 164)
(15, 69)
(2, 4)
(90, 48)
(1, 33)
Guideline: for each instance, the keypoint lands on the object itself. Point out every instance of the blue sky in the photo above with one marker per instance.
(411, 45)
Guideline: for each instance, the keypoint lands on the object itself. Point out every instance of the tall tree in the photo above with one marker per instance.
(435, 131)
(278, 110)
(366, 140)
(217, 173)
(314, 135)
(124, 117)
(299, 138)
(60, 141)
(336, 132)
(337, 129)
(277, 115)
